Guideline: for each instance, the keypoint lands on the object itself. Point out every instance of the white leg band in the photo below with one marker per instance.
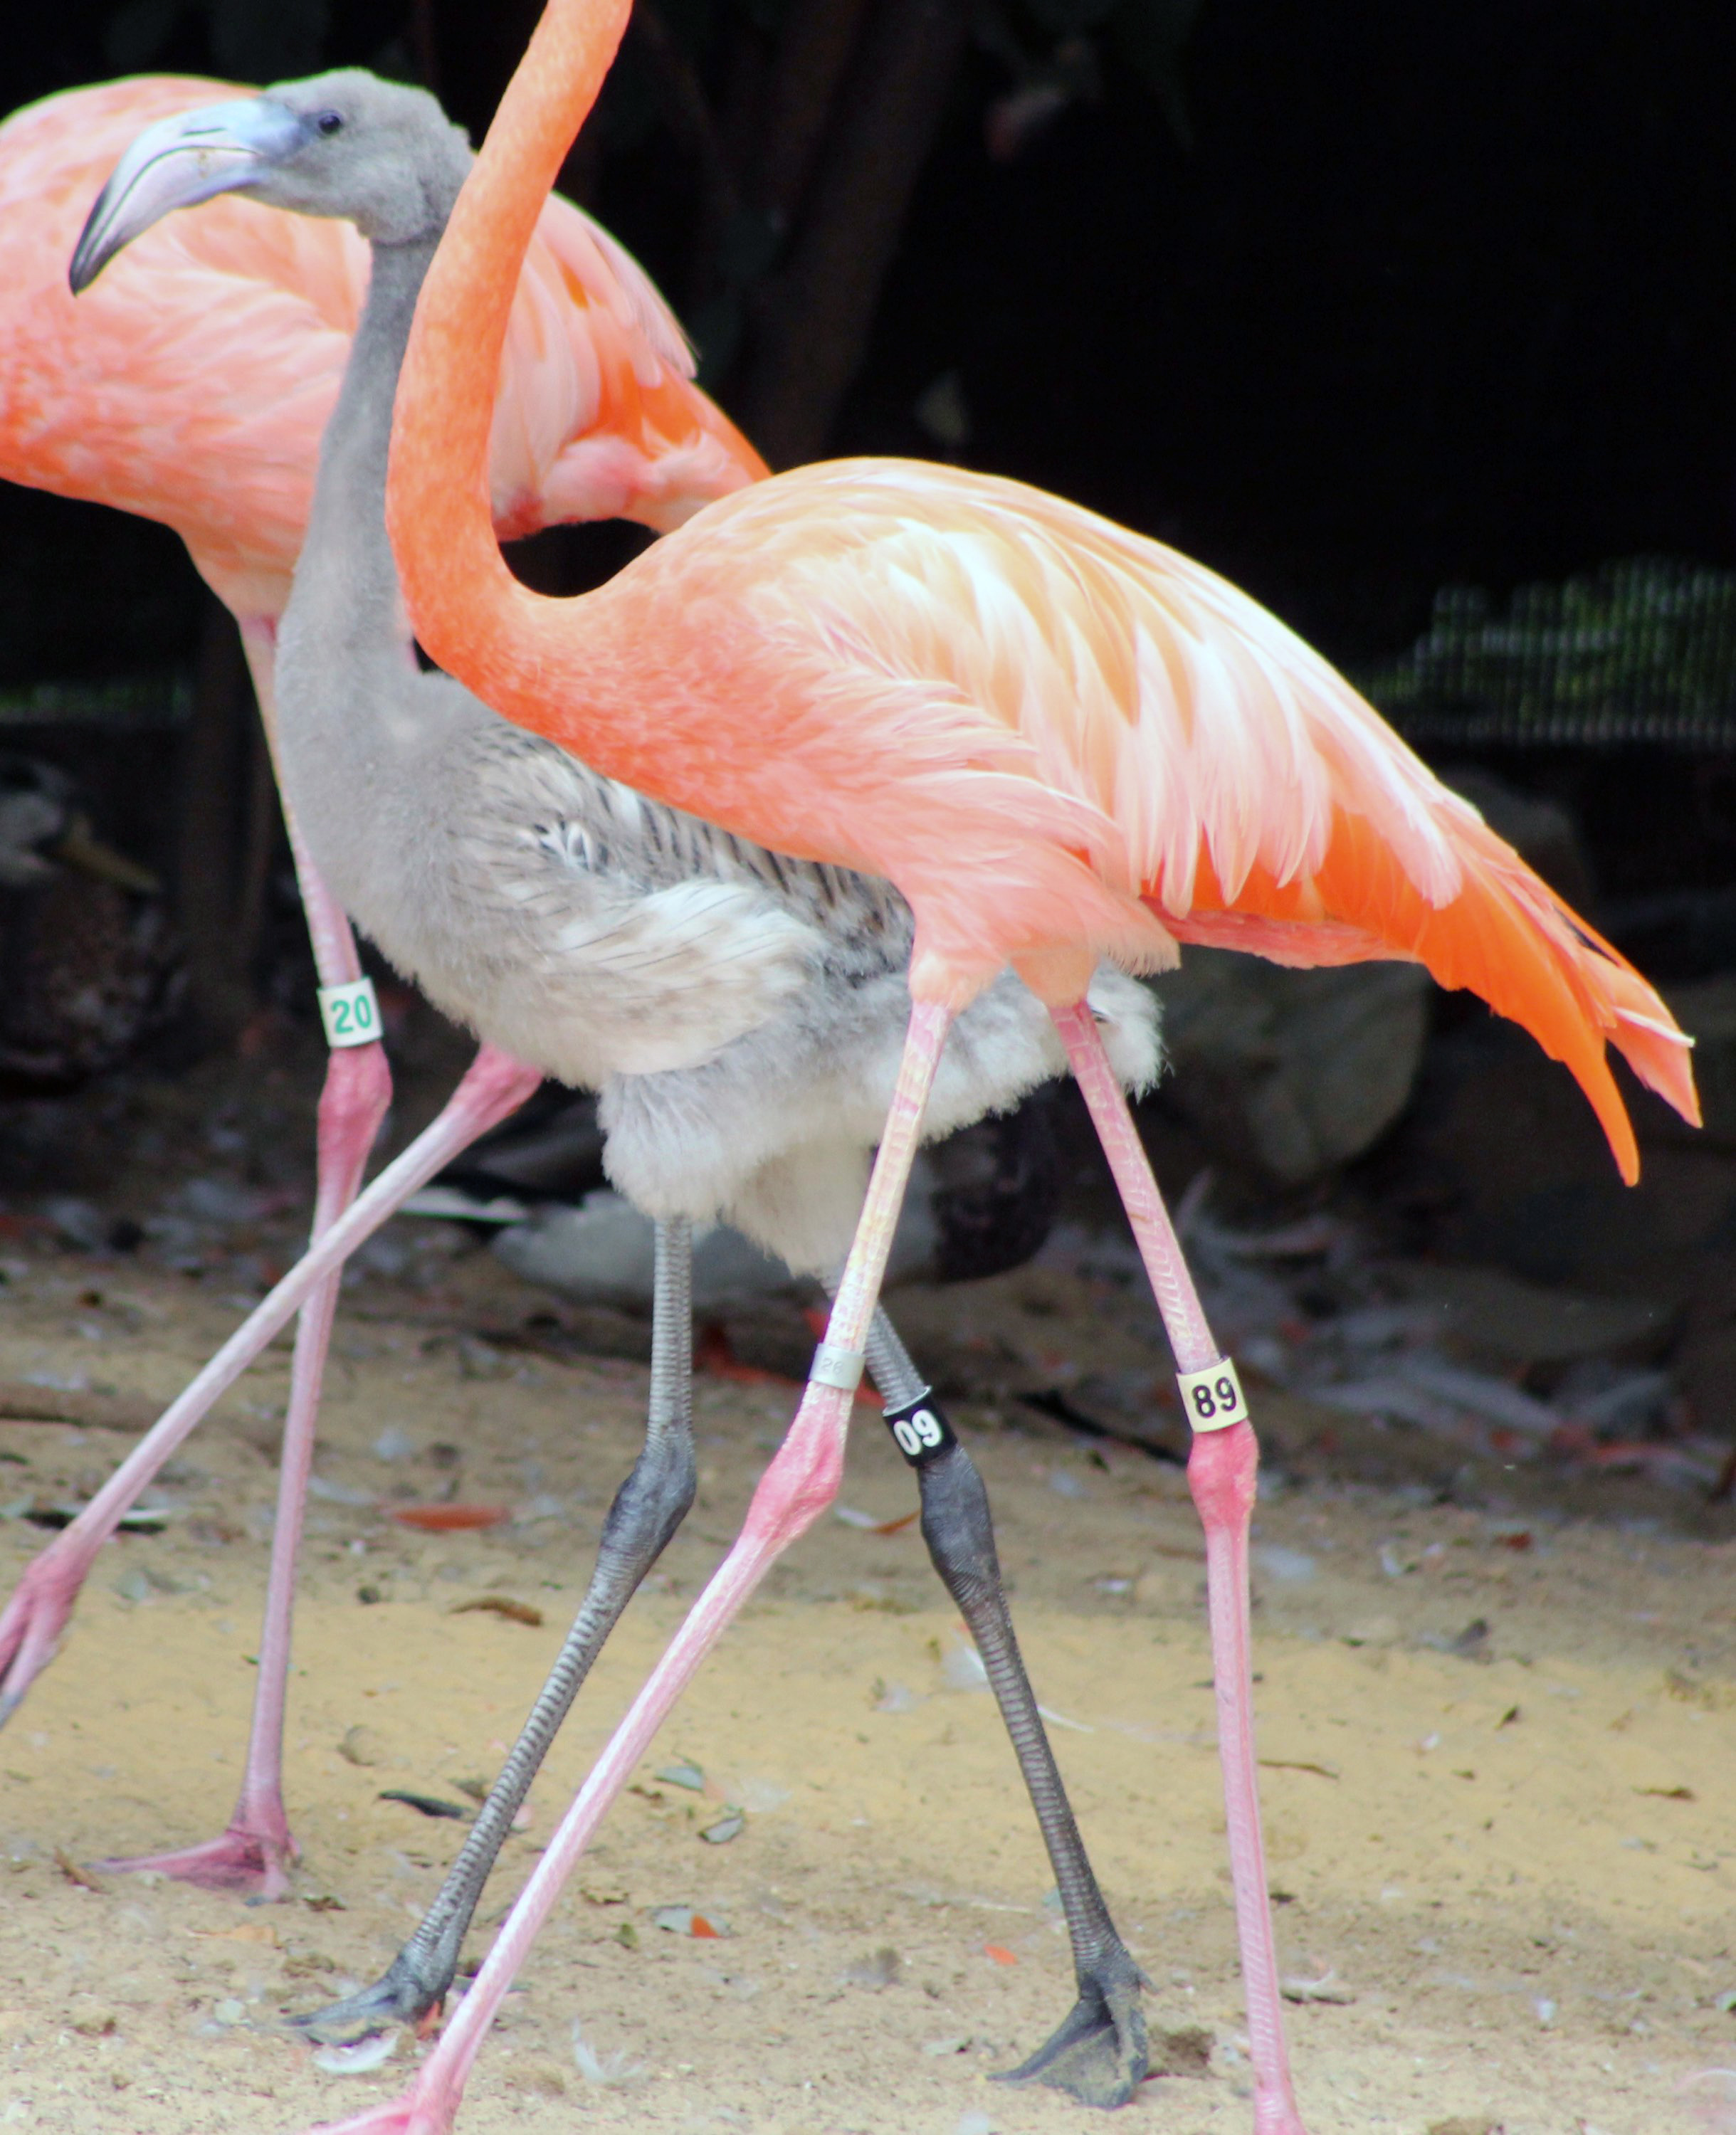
(834, 1366)
(349, 1014)
(1212, 1400)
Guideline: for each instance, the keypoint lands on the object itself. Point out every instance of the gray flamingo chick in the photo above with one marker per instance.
(742, 1015)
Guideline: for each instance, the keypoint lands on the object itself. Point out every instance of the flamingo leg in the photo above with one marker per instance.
(1098, 2053)
(801, 1482)
(40, 1604)
(254, 1852)
(1220, 1473)
(650, 1505)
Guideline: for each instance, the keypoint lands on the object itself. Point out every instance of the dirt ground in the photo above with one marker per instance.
(1505, 1856)
(1497, 1710)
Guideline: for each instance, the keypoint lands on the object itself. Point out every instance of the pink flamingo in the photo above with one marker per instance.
(193, 387)
(1060, 741)
(742, 1014)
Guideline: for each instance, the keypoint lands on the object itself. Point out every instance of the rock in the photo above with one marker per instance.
(1673, 935)
(1294, 1073)
(1704, 1369)
(878, 1968)
(1504, 1164)
(601, 1252)
(81, 1226)
(981, 1201)
(363, 1745)
(1493, 1318)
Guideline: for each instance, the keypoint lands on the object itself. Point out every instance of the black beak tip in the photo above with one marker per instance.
(87, 261)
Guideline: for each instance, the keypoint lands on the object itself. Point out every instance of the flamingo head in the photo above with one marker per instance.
(346, 145)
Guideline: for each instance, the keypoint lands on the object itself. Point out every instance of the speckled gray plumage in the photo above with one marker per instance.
(741, 1013)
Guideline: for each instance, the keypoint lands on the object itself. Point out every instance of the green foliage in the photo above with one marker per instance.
(1644, 646)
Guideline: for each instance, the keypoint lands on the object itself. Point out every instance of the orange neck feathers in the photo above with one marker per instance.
(456, 582)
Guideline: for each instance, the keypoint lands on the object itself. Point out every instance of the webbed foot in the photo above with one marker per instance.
(1099, 2053)
(407, 1992)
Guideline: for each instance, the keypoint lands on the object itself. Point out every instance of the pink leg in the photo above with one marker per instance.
(35, 1617)
(256, 1849)
(1220, 1472)
(800, 1483)
(254, 1852)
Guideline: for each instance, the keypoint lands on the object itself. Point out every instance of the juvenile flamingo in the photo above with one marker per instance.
(742, 1014)
(1061, 742)
(192, 388)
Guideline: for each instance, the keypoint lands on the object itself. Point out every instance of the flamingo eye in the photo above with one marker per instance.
(329, 122)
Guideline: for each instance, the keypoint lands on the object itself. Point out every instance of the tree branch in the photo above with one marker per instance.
(813, 324)
(819, 40)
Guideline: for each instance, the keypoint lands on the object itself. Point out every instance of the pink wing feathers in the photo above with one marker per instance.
(1265, 806)
(1089, 721)
(602, 423)
(192, 384)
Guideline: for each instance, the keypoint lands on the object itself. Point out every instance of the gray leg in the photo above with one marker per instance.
(650, 1505)
(1098, 2053)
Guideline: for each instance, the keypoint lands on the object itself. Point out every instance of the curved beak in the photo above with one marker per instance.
(177, 163)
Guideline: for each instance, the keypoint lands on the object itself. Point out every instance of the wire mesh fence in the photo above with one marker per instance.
(125, 704)
(1641, 651)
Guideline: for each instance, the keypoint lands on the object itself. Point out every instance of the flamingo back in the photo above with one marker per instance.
(193, 383)
(1052, 734)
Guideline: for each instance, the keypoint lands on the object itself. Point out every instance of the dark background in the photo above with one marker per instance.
(1350, 300)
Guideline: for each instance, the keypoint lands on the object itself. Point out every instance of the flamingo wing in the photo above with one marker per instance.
(1219, 772)
(605, 421)
(193, 383)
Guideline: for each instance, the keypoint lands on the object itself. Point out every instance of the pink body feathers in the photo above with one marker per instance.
(192, 384)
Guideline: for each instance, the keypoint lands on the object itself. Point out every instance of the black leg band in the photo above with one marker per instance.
(920, 1431)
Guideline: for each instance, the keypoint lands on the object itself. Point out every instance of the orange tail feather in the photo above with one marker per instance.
(1505, 936)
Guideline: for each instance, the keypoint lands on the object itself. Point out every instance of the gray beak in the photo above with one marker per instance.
(177, 163)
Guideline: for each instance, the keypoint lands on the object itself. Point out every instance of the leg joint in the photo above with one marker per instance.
(651, 1504)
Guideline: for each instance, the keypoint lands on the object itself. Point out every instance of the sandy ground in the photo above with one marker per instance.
(1502, 1858)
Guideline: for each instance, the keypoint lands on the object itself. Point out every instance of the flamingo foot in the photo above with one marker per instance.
(251, 1858)
(1098, 2053)
(425, 2109)
(403, 1994)
(38, 1612)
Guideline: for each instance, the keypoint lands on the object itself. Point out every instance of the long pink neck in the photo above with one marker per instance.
(469, 611)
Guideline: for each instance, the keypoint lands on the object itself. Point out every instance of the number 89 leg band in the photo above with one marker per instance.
(1213, 1399)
